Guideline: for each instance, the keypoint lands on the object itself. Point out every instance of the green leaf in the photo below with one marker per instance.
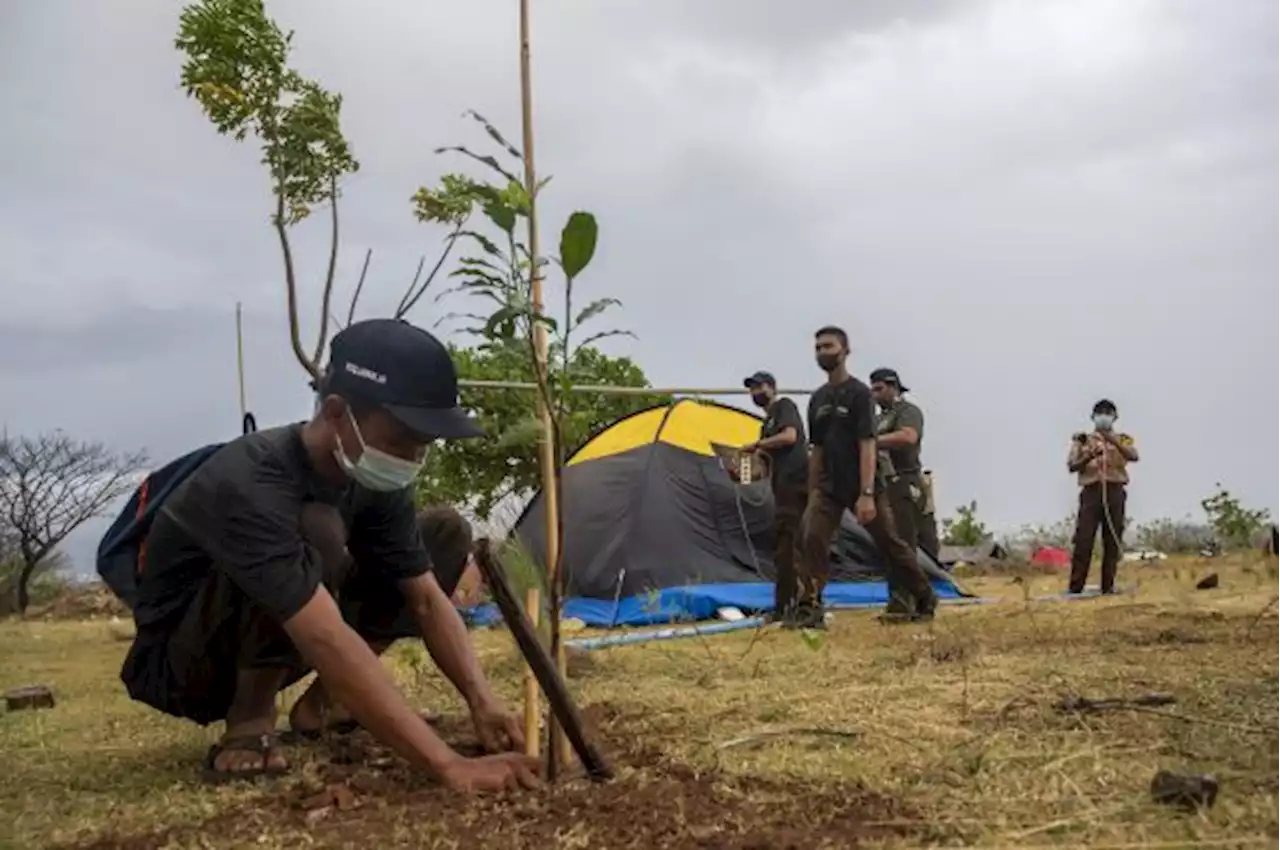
(578, 243)
(501, 215)
(595, 308)
(594, 338)
(484, 159)
(489, 246)
(502, 324)
(493, 132)
(526, 432)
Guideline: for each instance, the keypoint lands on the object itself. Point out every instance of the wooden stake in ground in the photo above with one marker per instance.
(548, 444)
(532, 707)
(562, 708)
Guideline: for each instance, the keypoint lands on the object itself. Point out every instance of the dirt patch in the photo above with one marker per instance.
(361, 795)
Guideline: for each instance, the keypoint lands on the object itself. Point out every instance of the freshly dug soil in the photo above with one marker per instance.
(365, 797)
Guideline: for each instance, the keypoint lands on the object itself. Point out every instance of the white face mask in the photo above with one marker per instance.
(376, 470)
(1103, 421)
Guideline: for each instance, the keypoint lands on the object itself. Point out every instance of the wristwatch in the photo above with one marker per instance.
(868, 491)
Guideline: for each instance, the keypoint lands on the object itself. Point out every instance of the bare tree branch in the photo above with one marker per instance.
(355, 296)
(407, 302)
(417, 273)
(291, 284)
(328, 278)
(51, 485)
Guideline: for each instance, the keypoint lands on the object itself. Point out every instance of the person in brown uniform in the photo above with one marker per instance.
(782, 439)
(899, 433)
(1099, 460)
(842, 474)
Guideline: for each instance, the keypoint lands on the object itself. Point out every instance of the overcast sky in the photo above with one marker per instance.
(1022, 206)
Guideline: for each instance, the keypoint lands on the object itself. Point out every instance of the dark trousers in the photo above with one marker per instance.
(789, 502)
(907, 501)
(909, 587)
(1101, 509)
(928, 534)
(189, 668)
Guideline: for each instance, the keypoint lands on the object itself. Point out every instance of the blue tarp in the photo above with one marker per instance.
(700, 602)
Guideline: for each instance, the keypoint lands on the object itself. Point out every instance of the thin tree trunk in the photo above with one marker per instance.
(24, 581)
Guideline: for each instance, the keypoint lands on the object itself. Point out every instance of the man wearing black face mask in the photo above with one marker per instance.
(782, 439)
(843, 474)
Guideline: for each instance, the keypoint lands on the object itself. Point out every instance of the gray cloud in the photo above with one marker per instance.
(1022, 206)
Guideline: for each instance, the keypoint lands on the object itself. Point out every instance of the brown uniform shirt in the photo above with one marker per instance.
(1108, 465)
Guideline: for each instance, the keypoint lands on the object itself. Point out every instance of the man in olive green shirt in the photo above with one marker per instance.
(899, 433)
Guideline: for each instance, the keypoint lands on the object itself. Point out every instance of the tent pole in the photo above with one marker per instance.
(604, 389)
(240, 359)
(558, 744)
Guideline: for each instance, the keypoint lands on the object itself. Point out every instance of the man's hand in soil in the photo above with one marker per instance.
(497, 728)
(504, 772)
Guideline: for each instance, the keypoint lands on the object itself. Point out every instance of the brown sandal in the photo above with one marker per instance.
(264, 744)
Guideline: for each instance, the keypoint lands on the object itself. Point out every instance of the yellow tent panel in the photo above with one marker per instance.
(685, 423)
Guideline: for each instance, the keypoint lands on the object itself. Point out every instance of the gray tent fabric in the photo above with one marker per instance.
(658, 516)
(987, 550)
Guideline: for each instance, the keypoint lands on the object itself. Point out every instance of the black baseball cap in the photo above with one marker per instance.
(758, 378)
(888, 376)
(405, 371)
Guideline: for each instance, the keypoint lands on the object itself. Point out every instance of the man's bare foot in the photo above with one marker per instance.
(248, 747)
(245, 751)
(315, 714)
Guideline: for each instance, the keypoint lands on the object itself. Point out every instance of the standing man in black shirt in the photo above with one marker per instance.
(842, 474)
(782, 439)
(297, 548)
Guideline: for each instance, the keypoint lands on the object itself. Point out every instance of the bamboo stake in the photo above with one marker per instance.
(605, 389)
(532, 704)
(240, 360)
(548, 454)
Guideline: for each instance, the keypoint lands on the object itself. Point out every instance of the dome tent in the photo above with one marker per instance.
(648, 510)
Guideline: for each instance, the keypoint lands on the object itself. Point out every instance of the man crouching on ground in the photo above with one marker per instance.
(297, 548)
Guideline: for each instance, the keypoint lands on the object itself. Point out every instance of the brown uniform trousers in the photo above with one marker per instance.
(909, 588)
(789, 504)
(908, 508)
(1102, 481)
(190, 671)
(1101, 510)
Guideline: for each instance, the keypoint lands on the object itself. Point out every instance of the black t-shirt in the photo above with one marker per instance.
(790, 463)
(903, 414)
(239, 513)
(841, 416)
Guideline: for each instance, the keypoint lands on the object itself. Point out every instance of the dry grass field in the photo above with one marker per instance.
(944, 735)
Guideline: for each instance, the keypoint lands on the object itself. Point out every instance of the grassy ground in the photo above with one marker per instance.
(908, 736)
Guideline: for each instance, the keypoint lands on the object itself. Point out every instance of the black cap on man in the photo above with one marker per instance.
(397, 367)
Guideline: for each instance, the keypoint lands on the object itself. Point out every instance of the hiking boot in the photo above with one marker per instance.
(808, 618)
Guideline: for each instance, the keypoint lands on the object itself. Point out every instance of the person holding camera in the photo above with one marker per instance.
(1099, 460)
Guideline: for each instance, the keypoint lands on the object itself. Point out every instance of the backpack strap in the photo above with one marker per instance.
(143, 492)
